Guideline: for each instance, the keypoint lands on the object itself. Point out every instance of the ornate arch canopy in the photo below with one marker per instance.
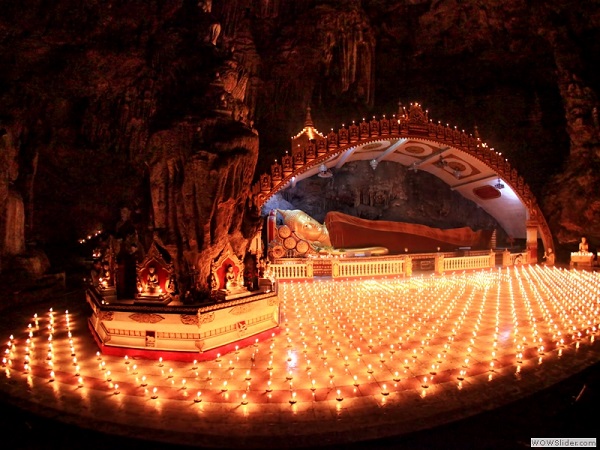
(465, 163)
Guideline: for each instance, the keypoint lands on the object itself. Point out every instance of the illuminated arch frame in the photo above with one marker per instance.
(310, 150)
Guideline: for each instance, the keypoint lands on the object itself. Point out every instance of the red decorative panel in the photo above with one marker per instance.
(487, 192)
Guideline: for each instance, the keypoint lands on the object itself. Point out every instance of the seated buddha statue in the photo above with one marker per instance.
(106, 278)
(583, 246)
(232, 286)
(230, 282)
(151, 280)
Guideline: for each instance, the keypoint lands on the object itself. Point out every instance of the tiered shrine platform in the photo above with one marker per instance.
(127, 327)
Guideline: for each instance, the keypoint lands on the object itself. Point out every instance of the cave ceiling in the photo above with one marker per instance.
(109, 103)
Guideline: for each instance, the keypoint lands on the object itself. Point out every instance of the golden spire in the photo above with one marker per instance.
(308, 123)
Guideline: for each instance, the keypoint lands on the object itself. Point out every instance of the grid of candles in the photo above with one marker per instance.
(340, 340)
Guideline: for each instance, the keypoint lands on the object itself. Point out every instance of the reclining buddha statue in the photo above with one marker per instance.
(316, 234)
(306, 227)
(353, 236)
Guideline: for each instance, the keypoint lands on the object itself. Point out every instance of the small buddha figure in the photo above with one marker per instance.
(230, 282)
(583, 246)
(151, 280)
(214, 283)
(96, 273)
(106, 279)
(172, 286)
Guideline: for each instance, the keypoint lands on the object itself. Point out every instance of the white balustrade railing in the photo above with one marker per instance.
(290, 271)
(387, 266)
(467, 263)
(367, 268)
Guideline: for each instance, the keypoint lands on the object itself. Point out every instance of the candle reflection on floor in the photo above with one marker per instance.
(341, 340)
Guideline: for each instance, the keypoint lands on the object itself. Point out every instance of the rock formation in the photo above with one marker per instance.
(12, 212)
(573, 201)
(159, 104)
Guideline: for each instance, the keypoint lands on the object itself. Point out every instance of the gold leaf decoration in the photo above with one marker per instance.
(146, 318)
(241, 309)
(205, 318)
(188, 319)
(106, 315)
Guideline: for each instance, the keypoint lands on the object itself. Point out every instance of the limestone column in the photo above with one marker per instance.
(13, 225)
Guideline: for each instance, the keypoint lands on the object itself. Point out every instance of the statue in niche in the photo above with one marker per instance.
(171, 287)
(364, 129)
(353, 133)
(384, 127)
(287, 163)
(106, 278)
(151, 280)
(232, 285)
(214, 283)
(343, 135)
(299, 158)
(96, 273)
(321, 146)
(276, 171)
(311, 151)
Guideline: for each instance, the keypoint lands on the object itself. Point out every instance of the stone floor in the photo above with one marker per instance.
(498, 407)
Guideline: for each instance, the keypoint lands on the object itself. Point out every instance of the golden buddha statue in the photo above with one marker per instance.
(317, 235)
(151, 280)
(232, 284)
(306, 227)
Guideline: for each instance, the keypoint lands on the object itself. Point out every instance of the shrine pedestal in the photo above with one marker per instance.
(152, 299)
(108, 293)
(127, 327)
(582, 260)
(224, 295)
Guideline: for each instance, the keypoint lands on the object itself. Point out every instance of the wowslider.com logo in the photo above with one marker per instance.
(564, 442)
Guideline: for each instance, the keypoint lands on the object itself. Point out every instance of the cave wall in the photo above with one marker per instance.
(392, 192)
(159, 104)
(12, 213)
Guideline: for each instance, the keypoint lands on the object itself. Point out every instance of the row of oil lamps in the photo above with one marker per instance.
(365, 334)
